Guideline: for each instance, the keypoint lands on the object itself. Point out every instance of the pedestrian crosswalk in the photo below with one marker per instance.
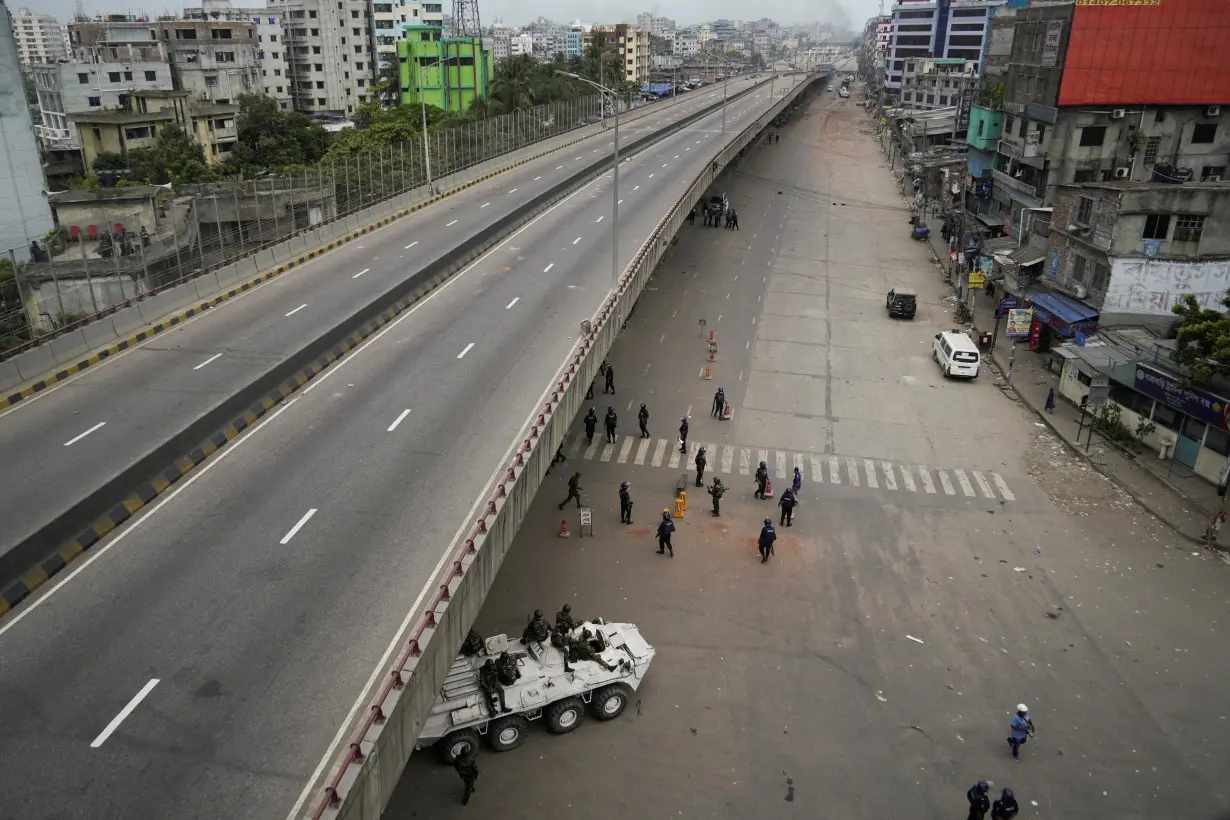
(729, 459)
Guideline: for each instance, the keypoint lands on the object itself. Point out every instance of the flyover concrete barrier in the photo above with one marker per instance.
(33, 561)
(17, 385)
(380, 746)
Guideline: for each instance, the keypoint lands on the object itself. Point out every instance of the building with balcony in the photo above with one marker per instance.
(389, 21)
(40, 38)
(939, 84)
(213, 60)
(447, 72)
(146, 114)
(269, 51)
(330, 54)
(521, 45)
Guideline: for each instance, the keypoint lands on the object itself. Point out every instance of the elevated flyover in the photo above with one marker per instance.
(215, 654)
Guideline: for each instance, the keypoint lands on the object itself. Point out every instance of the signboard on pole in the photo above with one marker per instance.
(977, 280)
(1018, 323)
(1099, 394)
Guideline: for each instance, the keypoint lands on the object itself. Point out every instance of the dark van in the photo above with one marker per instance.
(902, 302)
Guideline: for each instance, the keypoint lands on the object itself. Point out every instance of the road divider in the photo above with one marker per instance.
(39, 557)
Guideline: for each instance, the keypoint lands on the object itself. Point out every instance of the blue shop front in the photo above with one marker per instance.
(1059, 315)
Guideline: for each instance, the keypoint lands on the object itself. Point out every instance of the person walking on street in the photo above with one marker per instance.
(643, 418)
(734, 220)
(777, 138)
(767, 536)
(979, 803)
(467, 769)
(665, 528)
(625, 504)
(609, 423)
(787, 502)
(591, 424)
(717, 490)
(574, 491)
(700, 462)
(719, 403)
(692, 217)
(797, 483)
(1020, 729)
(683, 434)
(1050, 400)
(762, 479)
(610, 379)
(1005, 808)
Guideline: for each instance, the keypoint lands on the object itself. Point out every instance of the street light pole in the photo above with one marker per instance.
(423, 111)
(614, 176)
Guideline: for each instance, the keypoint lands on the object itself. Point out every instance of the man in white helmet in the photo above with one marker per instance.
(1020, 730)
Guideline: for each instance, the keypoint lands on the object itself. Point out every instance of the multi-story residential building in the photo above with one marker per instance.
(270, 52)
(521, 44)
(40, 38)
(213, 60)
(943, 29)
(330, 53)
(389, 21)
(499, 43)
(939, 84)
(24, 213)
(574, 41)
(210, 124)
(686, 43)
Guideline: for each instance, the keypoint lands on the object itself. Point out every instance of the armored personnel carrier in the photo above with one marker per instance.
(547, 685)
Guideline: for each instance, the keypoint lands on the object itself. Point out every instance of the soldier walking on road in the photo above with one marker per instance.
(609, 422)
(717, 490)
(591, 423)
(767, 536)
(701, 461)
(643, 418)
(683, 434)
(719, 403)
(574, 491)
(625, 504)
(665, 528)
(979, 803)
(762, 479)
(692, 217)
(610, 379)
(734, 220)
(467, 770)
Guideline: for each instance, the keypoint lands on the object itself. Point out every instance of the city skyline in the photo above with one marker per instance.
(850, 14)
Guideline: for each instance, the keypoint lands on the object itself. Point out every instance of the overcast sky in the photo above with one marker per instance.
(848, 13)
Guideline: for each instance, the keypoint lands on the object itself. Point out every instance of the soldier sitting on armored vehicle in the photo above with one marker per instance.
(506, 668)
(537, 630)
(564, 621)
(473, 645)
(581, 649)
(489, 680)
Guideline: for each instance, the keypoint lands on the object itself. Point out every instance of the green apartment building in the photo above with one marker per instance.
(447, 72)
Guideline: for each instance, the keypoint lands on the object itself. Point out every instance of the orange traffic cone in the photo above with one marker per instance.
(726, 412)
(768, 488)
(563, 529)
(707, 374)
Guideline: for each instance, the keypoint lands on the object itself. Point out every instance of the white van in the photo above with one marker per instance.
(957, 354)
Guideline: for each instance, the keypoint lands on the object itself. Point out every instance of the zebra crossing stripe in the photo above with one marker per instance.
(642, 450)
(907, 478)
(817, 470)
(589, 451)
(657, 453)
(946, 483)
(798, 464)
(1002, 487)
(762, 455)
(674, 460)
(745, 461)
(966, 487)
(624, 450)
(834, 473)
(982, 484)
(926, 480)
(890, 479)
(870, 467)
(607, 451)
(781, 464)
(852, 471)
(728, 459)
(574, 446)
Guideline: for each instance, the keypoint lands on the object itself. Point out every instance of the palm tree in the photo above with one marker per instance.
(516, 83)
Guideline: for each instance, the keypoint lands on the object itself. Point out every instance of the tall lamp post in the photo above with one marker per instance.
(423, 111)
(614, 176)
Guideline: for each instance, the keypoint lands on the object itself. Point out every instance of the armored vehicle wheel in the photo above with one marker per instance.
(609, 702)
(564, 715)
(507, 733)
(455, 744)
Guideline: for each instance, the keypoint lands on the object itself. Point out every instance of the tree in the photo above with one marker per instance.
(13, 327)
(174, 158)
(1203, 341)
(271, 139)
(388, 84)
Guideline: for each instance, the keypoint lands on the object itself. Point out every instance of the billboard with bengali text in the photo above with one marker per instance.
(1132, 52)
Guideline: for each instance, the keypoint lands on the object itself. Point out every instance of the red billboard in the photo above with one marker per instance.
(1162, 52)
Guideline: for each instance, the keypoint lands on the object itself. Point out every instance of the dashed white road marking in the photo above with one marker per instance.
(307, 516)
(467, 349)
(451, 224)
(360, 273)
(728, 459)
(397, 421)
(124, 713)
(907, 478)
(484, 205)
(817, 469)
(80, 436)
(781, 464)
(411, 245)
(207, 361)
(296, 310)
(575, 241)
(513, 302)
(607, 450)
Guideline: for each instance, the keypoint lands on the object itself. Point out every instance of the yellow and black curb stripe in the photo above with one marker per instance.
(199, 308)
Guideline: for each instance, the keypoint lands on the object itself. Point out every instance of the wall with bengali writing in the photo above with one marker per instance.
(1151, 287)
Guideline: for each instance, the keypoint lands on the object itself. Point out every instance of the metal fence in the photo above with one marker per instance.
(132, 252)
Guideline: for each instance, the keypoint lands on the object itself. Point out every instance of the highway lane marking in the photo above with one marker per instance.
(124, 713)
(513, 191)
(575, 241)
(558, 167)
(296, 310)
(307, 516)
(467, 349)
(411, 245)
(620, 202)
(537, 178)
(676, 157)
(207, 361)
(513, 302)
(637, 188)
(651, 176)
(599, 219)
(360, 273)
(397, 420)
(484, 205)
(548, 267)
(80, 436)
(451, 224)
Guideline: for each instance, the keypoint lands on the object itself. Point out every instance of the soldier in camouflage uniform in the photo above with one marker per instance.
(489, 680)
(506, 668)
(717, 490)
(473, 644)
(580, 650)
(467, 769)
(564, 621)
(536, 631)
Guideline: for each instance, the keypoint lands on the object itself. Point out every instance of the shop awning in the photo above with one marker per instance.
(1028, 256)
(1065, 315)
